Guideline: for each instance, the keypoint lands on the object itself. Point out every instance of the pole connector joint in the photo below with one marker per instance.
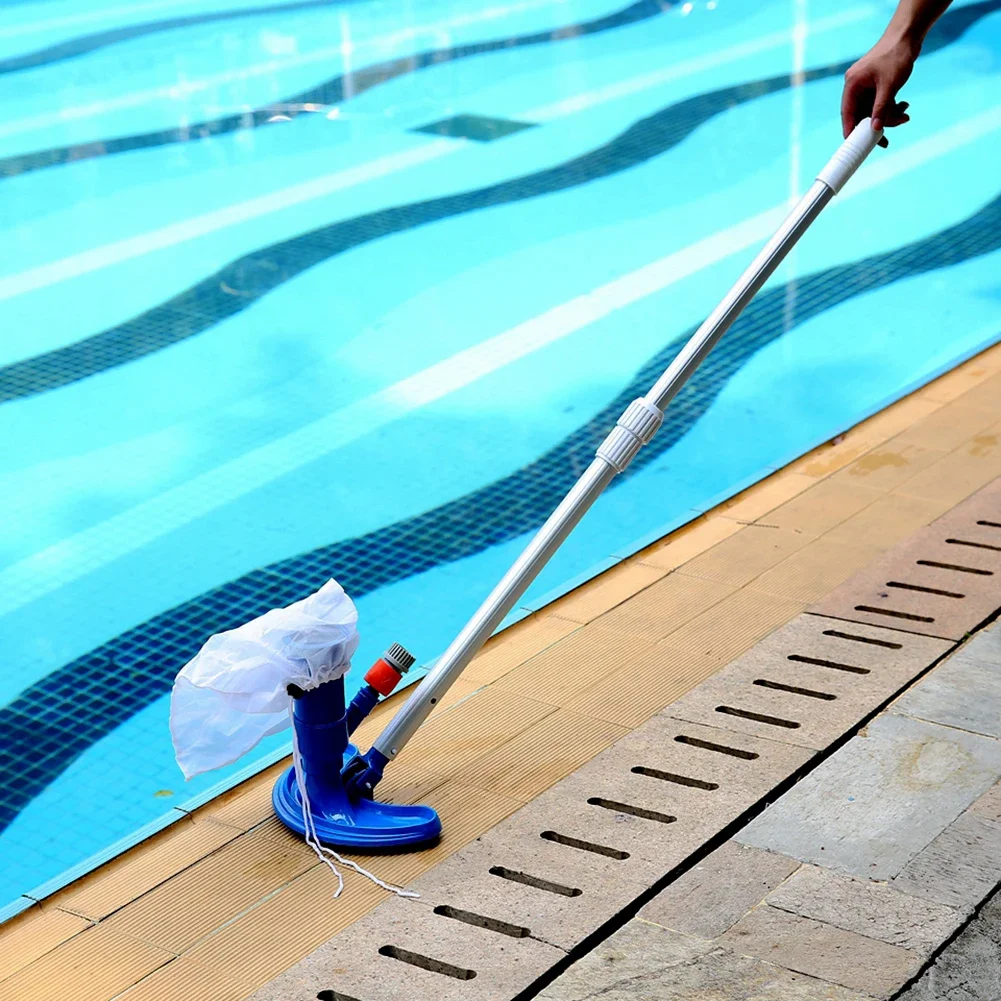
(637, 425)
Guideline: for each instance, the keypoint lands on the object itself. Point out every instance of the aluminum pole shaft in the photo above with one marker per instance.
(635, 427)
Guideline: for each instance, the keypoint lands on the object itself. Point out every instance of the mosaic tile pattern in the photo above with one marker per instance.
(479, 128)
(254, 275)
(85, 700)
(329, 92)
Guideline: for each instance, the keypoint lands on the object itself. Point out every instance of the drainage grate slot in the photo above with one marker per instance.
(633, 811)
(956, 567)
(481, 921)
(584, 846)
(891, 613)
(832, 664)
(973, 545)
(681, 780)
(860, 639)
(758, 717)
(706, 745)
(924, 590)
(990, 524)
(334, 996)
(427, 963)
(793, 689)
(539, 884)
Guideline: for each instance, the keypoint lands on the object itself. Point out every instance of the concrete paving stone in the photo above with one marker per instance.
(960, 867)
(985, 647)
(823, 951)
(644, 962)
(876, 803)
(494, 879)
(961, 692)
(703, 789)
(717, 892)
(817, 701)
(468, 962)
(968, 969)
(867, 908)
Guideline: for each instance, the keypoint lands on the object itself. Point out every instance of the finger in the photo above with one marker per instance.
(882, 105)
(884, 142)
(849, 103)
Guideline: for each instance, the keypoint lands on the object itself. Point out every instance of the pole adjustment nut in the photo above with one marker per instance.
(637, 425)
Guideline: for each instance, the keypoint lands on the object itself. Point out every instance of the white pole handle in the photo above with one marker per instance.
(862, 141)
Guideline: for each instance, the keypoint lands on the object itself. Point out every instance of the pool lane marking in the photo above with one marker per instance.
(210, 222)
(92, 548)
(698, 64)
(44, 275)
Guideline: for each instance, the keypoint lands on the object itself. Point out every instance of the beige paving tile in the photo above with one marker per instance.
(95, 965)
(756, 501)
(183, 981)
(961, 380)
(960, 473)
(738, 560)
(144, 867)
(825, 505)
(283, 929)
(580, 660)
(814, 570)
(516, 645)
(694, 539)
(664, 606)
(541, 755)
(196, 901)
(889, 465)
(729, 628)
(457, 737)
(605, 592)
(246, 805)
(887, 521)
(947, 428)
(631, 695)
(32, 934)
(985, 394)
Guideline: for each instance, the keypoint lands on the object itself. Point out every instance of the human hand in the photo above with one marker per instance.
(872, 83)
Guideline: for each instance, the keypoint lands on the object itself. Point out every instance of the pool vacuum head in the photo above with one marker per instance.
(340, 781)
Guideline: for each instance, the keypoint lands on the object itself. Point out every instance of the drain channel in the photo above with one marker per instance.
(861, 639)
(681, 780)
(793, 689)
(956, 567)
(990, 524)
(427, 963)
(973, 545)
(832, 664)
(633, 811)
(758, 717)
(482, 921)
(534, 881)
(893, 614)
(584, 846)
(706, 745)
(924, 590)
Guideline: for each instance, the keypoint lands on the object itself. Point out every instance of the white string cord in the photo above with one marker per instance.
(309, 824)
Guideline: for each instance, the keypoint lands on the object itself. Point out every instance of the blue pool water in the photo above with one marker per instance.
(293, 290)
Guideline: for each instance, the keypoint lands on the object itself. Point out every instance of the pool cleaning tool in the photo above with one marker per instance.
(634, 428)
(288, 666)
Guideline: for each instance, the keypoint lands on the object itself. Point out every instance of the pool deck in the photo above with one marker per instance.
(225, 900)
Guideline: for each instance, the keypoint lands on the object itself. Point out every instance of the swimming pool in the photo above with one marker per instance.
(292, 290)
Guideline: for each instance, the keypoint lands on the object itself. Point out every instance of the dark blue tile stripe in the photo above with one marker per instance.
(254, 275)
(329, 92)
(54, 721)
(74, 47)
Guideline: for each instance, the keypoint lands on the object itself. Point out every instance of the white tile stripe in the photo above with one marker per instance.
(86, 551)
(180, 232)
